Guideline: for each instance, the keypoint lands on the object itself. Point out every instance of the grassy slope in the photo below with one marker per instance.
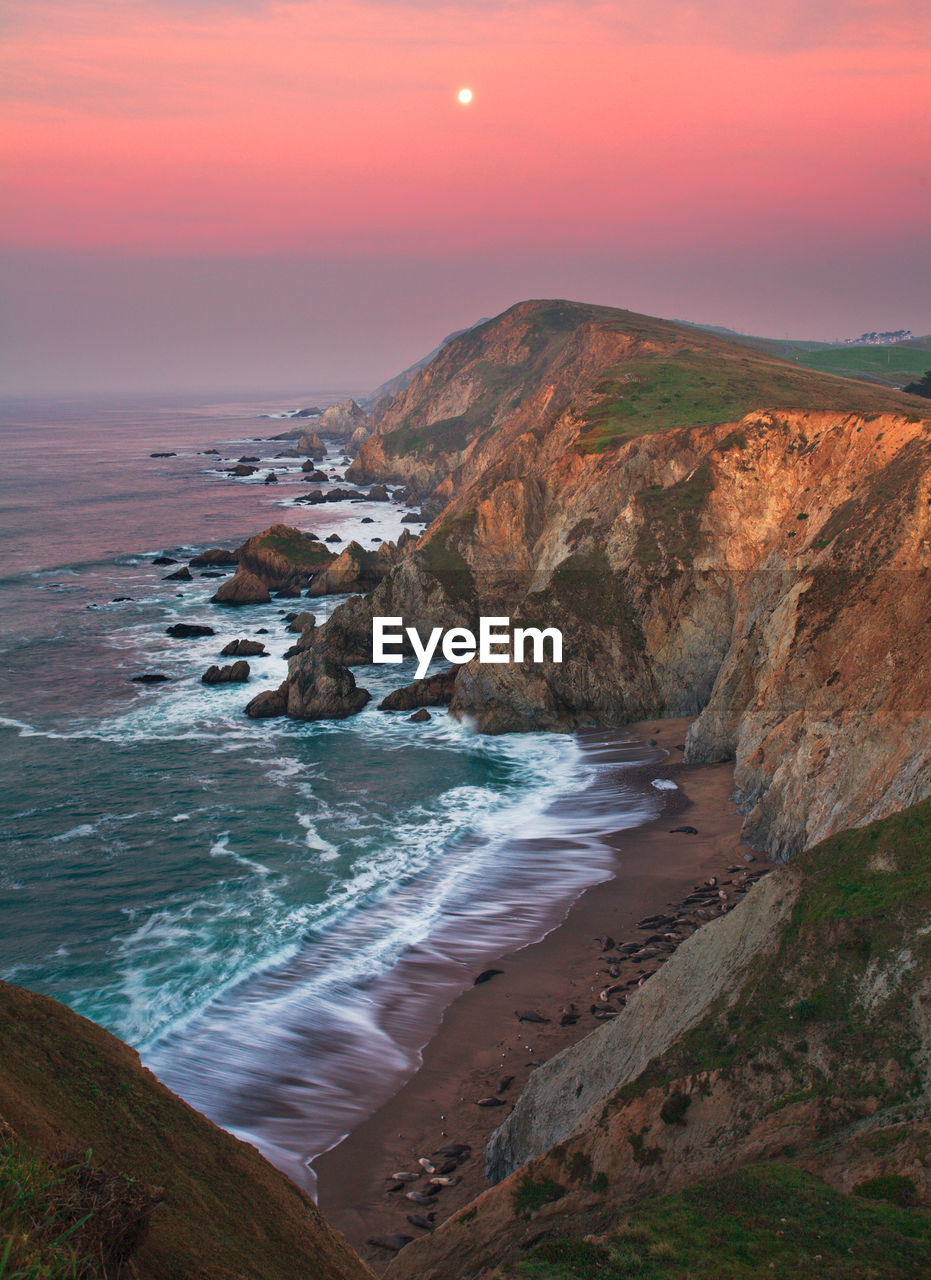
(761, 1222)
(896, 365)
(67, 1086)
(893, 365)
(865, 902)
(850, 916)
(674, 375)
(712, 382)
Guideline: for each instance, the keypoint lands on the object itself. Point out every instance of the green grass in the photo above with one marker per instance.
(440, 556)
(448, 435)
(586, 587)
(532, 1193)
(850, 914)
(701, 386)
(295, 547)
(63, 1219)
(891, 1187)
(760, 1223)
(894, 365)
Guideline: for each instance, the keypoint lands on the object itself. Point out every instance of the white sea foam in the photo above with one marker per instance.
(85, 829)
(664, 784)
(462, 877)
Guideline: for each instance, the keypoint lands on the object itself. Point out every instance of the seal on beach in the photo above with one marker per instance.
(486, 975)
(491, 1102)
(684, 831)
(416, 1220)
(528, 1015)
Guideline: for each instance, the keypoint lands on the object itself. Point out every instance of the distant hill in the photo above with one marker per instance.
(891, 365)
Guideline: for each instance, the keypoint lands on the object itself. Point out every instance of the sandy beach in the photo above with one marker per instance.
(481, 1041)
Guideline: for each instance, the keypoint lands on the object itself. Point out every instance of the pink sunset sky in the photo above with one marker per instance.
(234, 193)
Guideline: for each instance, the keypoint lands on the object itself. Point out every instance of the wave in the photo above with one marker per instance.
(343, 1016)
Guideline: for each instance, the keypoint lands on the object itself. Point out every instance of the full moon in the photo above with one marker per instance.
(464, 96)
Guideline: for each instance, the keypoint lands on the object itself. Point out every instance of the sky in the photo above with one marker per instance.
(234, 194)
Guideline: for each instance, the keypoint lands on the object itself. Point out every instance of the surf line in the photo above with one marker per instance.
(496, 643)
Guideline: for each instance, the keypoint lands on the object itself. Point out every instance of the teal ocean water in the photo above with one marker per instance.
(274, 914)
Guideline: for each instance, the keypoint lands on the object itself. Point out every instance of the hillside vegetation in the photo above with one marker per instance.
(104, 1173)
(790, 1119)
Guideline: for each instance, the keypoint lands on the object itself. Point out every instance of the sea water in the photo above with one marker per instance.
(272, 912)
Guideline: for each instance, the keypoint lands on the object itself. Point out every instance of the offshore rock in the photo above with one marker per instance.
(268, 703)
(243, 588)
(243, 649)
(301, 622)
(311, 444)
(283, 556)
(188, 630)
(215, 557)
(320, 689)
(434, 691)
(236, 673)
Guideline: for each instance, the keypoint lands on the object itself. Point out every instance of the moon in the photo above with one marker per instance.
(464, 96)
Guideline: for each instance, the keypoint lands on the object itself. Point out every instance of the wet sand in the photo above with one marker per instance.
(480, 1039)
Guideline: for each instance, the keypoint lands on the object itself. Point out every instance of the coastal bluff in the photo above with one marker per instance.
(718, 533)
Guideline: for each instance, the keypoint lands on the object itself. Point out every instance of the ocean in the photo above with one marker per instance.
(273, 913)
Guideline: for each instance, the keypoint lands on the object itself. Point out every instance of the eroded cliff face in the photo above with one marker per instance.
(770, 574)
(569, 1091)
(716, 533)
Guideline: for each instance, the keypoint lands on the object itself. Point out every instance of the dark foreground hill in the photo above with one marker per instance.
(105, 1173)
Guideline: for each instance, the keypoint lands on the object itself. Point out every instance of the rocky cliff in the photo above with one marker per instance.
(795, 1029)
(714, 530)
(104, 1172)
